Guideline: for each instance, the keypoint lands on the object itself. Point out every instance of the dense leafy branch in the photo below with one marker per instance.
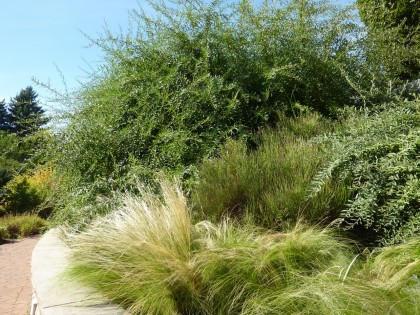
(380, 154)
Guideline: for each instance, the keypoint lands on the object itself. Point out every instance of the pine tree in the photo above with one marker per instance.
(4, 117)
(26, 116)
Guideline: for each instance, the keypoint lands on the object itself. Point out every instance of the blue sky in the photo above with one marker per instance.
(38, 35)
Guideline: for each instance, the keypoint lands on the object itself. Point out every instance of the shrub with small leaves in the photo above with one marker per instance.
(19, 196)
(380, 153)
(196, 73)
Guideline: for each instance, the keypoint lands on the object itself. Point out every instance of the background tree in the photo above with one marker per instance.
(26, 116)
(398, 17)
(4, 116)
(9, 163)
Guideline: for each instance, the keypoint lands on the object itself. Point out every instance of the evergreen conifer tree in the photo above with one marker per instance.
(26, 116)
(4, 116)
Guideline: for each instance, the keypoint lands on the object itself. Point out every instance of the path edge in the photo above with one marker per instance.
(54, 296)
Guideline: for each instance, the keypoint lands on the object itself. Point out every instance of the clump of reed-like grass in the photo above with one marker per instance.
(242, 265)
(151, 259)
(270, 184)
(13, 227)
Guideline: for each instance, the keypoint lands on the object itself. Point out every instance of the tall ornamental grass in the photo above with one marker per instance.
(140, 256)
(269, 184)
(151, 259)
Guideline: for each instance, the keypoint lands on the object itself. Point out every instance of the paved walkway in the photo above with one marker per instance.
(58, 297)
(15, 276)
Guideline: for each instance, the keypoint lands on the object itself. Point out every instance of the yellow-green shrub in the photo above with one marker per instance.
(41, 182)
(28, 192)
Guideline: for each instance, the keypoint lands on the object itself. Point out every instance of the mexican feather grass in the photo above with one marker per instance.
(140, 256)
(151, 259)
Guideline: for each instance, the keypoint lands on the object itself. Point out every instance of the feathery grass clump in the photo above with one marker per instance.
(305, 271)
(140, 255)
(151, 259)
(397, 268)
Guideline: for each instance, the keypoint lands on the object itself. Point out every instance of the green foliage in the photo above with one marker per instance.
(195, 73)
(150, 258)
(19, 196)
(4, 234)
(242, 267)
(366, 174)
(4, 117)
(379, 154)
(398, 265)
(390, 13)
(270, 184)
(28, 193)
(21, 141)
(81, 207)
(21, 226)
(18, 154)
(394, 24)
(20, 160)
(397, 268)
(152, 236)
(25, 115)
(9, 165)
(200, 79)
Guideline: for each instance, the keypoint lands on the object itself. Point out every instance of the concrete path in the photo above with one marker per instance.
(15, 276)
(55, 295)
